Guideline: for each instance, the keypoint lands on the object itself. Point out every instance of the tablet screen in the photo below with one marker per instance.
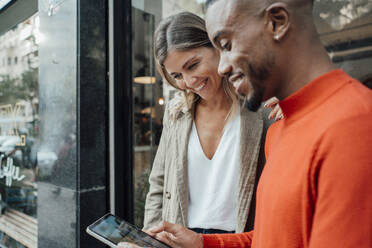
(117, 230)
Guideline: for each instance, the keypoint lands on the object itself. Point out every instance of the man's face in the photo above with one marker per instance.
(245, 55)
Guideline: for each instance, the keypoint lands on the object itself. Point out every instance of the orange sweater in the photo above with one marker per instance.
(316, 188)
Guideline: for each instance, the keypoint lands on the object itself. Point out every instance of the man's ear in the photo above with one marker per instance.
(277, 20)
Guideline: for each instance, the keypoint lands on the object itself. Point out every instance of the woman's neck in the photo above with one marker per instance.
(219, 102)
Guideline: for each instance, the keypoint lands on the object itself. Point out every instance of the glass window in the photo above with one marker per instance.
(147, 111)
(149, 91)
(19, 125)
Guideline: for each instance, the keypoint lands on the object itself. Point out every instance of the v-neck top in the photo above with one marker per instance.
(213, 184)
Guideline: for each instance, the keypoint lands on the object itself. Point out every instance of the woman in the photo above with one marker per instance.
(211, 151)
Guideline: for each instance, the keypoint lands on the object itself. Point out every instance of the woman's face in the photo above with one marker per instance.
(195, 70)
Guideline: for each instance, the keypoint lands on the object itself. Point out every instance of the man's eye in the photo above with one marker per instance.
(225, 46)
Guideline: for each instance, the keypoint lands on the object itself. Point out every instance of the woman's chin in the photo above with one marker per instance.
(205, 97)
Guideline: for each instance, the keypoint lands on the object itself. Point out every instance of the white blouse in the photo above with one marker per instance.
(213, 184)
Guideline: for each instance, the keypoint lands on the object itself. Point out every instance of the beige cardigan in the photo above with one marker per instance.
(168, 195)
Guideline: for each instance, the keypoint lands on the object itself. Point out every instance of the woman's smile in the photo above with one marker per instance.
(201, 86)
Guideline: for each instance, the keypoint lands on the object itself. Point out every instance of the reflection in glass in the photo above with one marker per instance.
(340, 13)
(19, 129)
(345, 28)
(147, 123)
(149, 92)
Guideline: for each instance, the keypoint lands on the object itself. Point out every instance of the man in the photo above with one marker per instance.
(316, 187)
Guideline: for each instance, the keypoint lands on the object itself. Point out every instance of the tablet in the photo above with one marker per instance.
(112, 230)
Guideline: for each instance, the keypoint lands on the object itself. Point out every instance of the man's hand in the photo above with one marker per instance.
(176, 236)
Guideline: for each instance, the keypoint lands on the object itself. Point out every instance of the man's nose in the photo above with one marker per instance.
(224, 66)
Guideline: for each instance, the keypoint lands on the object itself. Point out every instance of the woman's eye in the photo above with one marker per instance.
(193, 66)
(177, 76)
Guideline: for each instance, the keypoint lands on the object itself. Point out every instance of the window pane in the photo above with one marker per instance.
(147, 112)
(19, 132)
(149, 91)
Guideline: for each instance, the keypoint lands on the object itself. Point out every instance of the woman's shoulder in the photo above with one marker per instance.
(176, 108)
(260, 115)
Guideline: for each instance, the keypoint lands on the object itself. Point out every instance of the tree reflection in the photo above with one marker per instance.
(339, 13)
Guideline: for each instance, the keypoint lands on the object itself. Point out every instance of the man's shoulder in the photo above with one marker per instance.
(359, 94)
(349, 116)
(353, 100)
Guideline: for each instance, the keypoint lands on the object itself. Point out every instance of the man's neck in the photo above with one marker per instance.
(310, 62)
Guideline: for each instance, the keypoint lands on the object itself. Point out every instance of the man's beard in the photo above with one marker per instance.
(258, 76)
(254, 102)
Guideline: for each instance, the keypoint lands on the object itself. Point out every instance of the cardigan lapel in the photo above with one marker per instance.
(183, 132)
(251, 129)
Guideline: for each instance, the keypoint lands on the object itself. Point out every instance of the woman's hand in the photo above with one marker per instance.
(276, 111)
(176, 236)
(127, 245)
(130, 245)
(173, 235)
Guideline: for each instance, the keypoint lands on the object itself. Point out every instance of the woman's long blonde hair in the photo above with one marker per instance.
(185, 31)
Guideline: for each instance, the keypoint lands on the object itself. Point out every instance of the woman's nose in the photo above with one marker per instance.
(182, 84)
(190, 81)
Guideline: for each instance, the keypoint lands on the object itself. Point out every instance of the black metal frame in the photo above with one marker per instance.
(92, 176)
(123, 109)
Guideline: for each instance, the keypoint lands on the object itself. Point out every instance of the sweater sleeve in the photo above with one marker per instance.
(237, 240)
(342, 186)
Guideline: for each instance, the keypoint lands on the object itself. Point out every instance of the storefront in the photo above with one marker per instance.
(81, 107)
(53, 121)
